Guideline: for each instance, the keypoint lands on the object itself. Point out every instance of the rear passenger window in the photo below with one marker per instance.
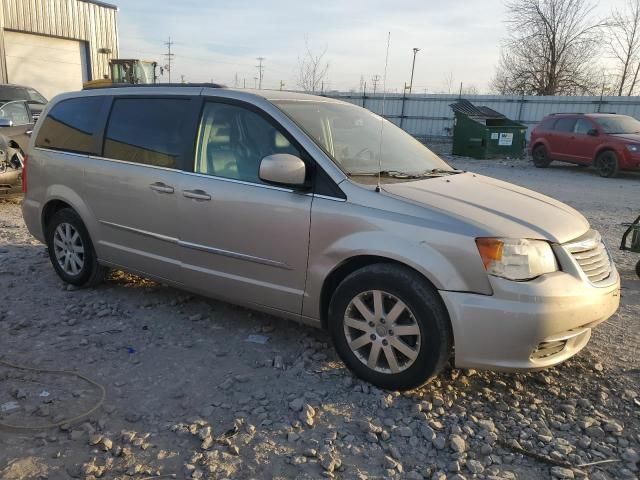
(146, 130)
(71, 125)
(565, 124)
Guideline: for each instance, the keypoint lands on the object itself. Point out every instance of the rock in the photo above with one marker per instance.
(457, 443)
(95, 439)
(19, 394)
(474, 466)
(389, 462)
(296, 404)
(613, 427)
(307, 414)
(595, 431)
(439, 442)
(427, 432)
(630, 455)
(404, 432)
(560, 472)
(329, 463)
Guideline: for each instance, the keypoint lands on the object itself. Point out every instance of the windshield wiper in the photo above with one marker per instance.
(435, 172)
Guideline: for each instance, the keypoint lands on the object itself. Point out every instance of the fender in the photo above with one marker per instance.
(425, 258)
(69, 196)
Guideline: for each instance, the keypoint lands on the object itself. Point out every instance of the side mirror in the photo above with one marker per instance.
(593, 132)
(5, 122)
(283, 169)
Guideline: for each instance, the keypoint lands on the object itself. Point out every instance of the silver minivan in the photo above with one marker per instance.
(319, 211)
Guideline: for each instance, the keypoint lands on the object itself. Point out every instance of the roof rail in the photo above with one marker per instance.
(567, 113)
(127, 85)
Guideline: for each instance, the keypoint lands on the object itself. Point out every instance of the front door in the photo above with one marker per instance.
(584, 145)
(242, 240)
(132, 189)
(20, 117)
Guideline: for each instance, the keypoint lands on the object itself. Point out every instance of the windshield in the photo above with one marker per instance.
(618, 124)
(351, 136)
(34, 96)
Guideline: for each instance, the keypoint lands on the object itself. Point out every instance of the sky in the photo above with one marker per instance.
(220, 41)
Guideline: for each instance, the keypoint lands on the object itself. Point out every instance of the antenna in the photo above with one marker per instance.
(384, 98)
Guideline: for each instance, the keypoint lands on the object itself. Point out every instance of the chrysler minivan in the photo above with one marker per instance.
(319, 211)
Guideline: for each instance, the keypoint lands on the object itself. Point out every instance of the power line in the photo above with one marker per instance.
(375, 79)
(169, 57)
(260, 70)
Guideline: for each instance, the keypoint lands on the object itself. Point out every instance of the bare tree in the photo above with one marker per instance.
(624, 46)
(312, 69)
(551, 48)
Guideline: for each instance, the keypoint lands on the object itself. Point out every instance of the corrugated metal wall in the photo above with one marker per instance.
(93, 23)
(430, 115)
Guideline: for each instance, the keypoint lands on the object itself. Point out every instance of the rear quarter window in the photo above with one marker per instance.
(547, 124)
(71, 125)
(564, 125)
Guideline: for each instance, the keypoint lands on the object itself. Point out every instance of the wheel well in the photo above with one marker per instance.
(601, 151)
(50, 209)
(345, 269)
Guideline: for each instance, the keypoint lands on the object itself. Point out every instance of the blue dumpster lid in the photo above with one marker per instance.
(467, 108)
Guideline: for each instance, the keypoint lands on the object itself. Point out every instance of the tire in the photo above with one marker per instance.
(541, 157)
(607, 164)
(638, 268)
(71, 251)
(427, 339)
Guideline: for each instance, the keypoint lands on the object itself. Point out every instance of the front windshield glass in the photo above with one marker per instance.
(361, 142)
(618, 124)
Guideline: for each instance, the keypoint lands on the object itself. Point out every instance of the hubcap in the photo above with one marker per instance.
(607, 165)
(382, 332)
(68, 249)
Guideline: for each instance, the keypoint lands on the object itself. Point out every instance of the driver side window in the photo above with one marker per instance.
(233, 140)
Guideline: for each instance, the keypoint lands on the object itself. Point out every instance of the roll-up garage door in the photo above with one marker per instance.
(50, 65)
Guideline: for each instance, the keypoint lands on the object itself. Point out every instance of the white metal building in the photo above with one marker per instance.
(56, 45)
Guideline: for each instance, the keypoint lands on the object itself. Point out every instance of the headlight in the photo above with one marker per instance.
(633, 147)
(516, 259)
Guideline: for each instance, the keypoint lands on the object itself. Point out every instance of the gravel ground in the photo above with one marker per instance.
(190, 394)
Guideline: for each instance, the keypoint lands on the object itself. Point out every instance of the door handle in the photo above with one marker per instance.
(196, 194)
(161, 187)
(28, 133)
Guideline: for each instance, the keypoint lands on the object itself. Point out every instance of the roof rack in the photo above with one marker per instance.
(127, 85)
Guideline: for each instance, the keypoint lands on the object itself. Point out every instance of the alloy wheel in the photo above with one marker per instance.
(68, 249)
(382, 332)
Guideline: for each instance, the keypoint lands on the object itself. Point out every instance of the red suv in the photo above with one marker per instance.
(607, 141)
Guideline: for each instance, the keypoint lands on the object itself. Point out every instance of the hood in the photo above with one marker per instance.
(495, 207)
(632, 137)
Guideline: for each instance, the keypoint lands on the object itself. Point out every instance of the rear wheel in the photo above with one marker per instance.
(390, 327)
(607, 164)
(71, 250)
(541, 156)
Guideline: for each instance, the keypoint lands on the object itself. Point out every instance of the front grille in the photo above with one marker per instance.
(548, 349)
(591, 255)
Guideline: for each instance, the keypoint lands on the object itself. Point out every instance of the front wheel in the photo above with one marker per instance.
(541, 157)
(71, 250)
(390, 327)
(607, 164)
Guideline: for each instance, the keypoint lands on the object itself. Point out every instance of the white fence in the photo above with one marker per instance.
(430, 115)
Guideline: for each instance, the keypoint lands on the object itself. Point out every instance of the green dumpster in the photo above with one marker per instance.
(481, 132)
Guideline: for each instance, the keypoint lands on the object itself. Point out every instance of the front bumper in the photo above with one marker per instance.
(528, 325)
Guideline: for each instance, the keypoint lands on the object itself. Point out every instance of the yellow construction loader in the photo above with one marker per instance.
(127, 71)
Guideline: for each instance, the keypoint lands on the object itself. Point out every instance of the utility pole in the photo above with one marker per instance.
(413, 66)
(281, 84)
(169, 57)
(255, 82)
(235, 81)
(260, 70)
(375, 79)
(244, 83)
(181, 78)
